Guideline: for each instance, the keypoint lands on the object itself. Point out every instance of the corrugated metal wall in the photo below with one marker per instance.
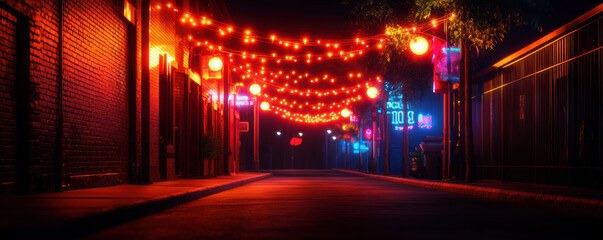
(539, 119)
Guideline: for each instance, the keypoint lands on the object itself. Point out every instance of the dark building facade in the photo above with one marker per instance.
(96, 93)
(537, 114)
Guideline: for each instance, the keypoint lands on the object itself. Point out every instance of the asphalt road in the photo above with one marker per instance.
(329, 205)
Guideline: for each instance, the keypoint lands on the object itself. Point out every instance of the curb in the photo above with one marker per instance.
(114, 216)
(574, 205)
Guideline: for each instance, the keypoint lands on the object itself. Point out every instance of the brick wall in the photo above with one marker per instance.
(7, 100)
(95, 109)
(95, 90)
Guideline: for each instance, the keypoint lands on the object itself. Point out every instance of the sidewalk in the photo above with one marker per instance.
(586, 202)
(81, 211)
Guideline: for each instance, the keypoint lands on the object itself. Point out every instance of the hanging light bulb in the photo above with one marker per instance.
(345, 113)
(419, 45)
(255, 89)
(215, 64)
(372, 92)
(265, 106)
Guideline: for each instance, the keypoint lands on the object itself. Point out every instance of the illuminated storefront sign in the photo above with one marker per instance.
(395, 109)
(242, 100)
(425, 121)
(363, 148)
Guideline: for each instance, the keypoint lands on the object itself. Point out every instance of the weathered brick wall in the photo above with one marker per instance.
(43, 20)
(95, 90)
(7, 100)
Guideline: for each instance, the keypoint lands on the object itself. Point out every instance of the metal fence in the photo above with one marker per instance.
(538, 119)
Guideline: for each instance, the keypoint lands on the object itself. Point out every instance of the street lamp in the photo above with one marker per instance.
(345, 113)
(300, 134)
(372, 92)
(334, 138)
(255, 89)
(265, 106)
(278, 133)
(419, 45)
(215, 64)
(326, 165)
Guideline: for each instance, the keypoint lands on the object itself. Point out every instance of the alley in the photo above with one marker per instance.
(322, 204)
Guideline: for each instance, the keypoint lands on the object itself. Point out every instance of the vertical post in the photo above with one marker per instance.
(405, 154)
(359, 143)
(447, 115)
(336, 153)
(145, 95)
(468, 118)
(345, 160)
(373, 143)
(326, 163)
(256, 135)
(385, 131)
(451, 131)
(226, 123)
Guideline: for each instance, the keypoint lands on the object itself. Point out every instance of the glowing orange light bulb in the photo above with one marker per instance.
(419, 45)
(345, 113)
(255, 89)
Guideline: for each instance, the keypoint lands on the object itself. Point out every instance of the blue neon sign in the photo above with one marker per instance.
(395, 106)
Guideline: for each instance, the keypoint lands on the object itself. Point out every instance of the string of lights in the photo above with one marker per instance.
(278, 58)
(293, 77)
(284, 92)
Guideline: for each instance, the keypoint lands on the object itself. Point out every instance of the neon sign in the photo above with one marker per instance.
(395, 106)
(368, 134)
(363, 147)
(425, 121)
(398, 117)
(241, 100)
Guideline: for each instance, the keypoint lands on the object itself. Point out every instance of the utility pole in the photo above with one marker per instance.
(256, 135)
(345, 160)
(385, 133)
(326, 162)
(359, 143)
(373, 144)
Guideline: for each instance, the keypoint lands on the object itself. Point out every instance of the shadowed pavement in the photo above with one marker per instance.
(308, 204)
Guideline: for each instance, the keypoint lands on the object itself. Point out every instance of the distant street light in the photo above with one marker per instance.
(334, 137)
(265, 106)
(328, 131)
(300, 134)
(372, 92)
(345, 113)
(278, 133)
(255, 89)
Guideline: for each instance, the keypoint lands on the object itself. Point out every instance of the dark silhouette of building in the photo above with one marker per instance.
(537, 113)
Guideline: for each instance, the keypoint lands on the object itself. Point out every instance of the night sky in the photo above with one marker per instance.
(330, 19)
